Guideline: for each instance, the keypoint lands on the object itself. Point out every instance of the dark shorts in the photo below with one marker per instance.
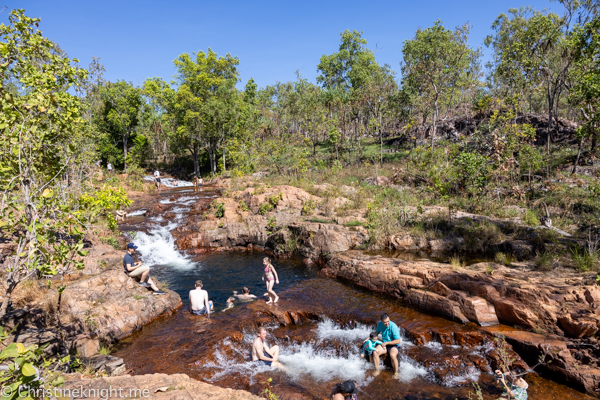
(388, 347)
(157, 180)
(267, 363)
(199, 312)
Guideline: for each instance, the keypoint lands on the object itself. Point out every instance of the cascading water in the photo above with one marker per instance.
(316, 354)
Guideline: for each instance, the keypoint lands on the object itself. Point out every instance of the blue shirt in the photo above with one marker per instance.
(128, 259)
(370, 345)
(389, 333)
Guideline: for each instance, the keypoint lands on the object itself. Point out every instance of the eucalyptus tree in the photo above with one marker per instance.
(203, 79)
(534, 47)
(584, 88)
(41, 123)
(119, 118)
(437, 64)
(349, 70)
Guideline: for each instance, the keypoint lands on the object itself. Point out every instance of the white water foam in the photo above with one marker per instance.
(472, 375)
(330, 330)
(409, 369)
(158, 248)
(168, 182)
(135, 213)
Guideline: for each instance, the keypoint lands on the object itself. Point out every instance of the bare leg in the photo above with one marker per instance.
(270, 285)
(210, 303)
(378, 352)
(394, 357)
(269, 291)
(275, 352)
(152, 285)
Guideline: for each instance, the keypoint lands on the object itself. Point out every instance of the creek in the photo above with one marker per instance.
(319, 325)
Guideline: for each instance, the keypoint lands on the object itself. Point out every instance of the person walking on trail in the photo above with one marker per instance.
(199, 303)
(390, 336)
(109, 168)
(157, 179)
(270, 275)
(264, 355)
(137, 269)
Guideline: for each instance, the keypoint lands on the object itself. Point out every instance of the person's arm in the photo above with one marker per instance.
(206, 304)
(275, 273)
(268, 351)
(260, 352)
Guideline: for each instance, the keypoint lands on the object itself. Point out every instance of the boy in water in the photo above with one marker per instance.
(370, 345)
(245, 296)
(199, 303)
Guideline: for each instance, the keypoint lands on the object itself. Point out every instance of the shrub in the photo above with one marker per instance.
(504, 259)
(531, 218)
(243, 206)
(219, 208)
(271, 223)
(308, 207)
(546, 261)
(584, 260)
(264, 208)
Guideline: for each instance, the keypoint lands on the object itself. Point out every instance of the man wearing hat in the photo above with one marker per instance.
(134, 270)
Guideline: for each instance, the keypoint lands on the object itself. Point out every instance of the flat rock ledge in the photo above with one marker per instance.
(488, 294)
(152, 386)
(112, 306)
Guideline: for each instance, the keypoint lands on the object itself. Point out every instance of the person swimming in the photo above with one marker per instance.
(245, 296)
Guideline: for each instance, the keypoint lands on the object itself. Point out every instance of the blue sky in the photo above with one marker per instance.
(272, 39)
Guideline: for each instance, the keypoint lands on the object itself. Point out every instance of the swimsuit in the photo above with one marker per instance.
(200, 312)
(267, 270)
(267, 363)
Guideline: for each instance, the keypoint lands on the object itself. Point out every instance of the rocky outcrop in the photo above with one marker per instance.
(488, 294)
(112, 305)
(153, 386)
(284, 219)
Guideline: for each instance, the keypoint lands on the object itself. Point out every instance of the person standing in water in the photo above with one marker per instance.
(271, 277)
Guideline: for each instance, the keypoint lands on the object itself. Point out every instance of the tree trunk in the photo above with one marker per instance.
(223, 147)
(7, 296)
(578, 154)
(435, 115)
(125, 151)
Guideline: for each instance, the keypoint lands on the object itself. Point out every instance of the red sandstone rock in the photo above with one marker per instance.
(578, 328)
(436, 303)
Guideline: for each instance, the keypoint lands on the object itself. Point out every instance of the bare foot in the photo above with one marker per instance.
(270, 302)
(396, 375)
(376, 373)
(276, 299)
(266, 295)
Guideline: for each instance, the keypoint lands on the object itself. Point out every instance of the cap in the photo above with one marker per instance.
(132, 246)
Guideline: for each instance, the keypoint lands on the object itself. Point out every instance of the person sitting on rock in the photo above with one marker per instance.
(390, 335)
(262, 354)
(137, 269)
(344, 391)
(199, 303)
(370, 346)
(245, 296)
(120, 215)
(514, 386)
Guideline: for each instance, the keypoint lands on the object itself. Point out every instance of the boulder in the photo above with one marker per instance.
(579, 327)
(435, 303)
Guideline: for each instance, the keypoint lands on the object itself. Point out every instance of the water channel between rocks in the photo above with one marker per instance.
(320, 347)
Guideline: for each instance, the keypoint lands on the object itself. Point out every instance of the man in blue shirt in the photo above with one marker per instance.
(138, 270)
(390, 336)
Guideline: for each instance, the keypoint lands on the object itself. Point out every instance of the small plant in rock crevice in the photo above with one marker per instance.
(243, 206)
(219, 208)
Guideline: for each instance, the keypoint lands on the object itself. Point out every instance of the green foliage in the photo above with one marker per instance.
(271, 223)
(308, 207)
(27, 371)
(243, 206)
(274, 199)
(269, 395)
(113, 241)
(264, 208)
(546, 261)
(503, 258)
(472, 171)
(531, 218)
(354, 223)
(219, 208)
(102, 202)
(584, 259)
(105, 350)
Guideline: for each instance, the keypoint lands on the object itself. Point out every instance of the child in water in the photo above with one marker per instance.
(370, 346)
